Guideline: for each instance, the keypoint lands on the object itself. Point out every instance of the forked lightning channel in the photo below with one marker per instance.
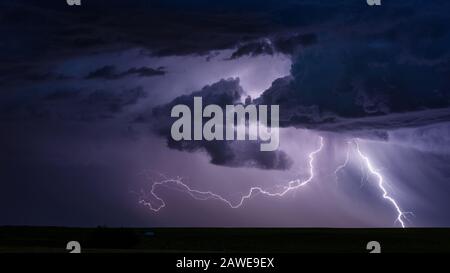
(291, 185)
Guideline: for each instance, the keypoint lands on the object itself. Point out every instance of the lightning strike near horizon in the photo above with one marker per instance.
(291, 185)
(366, 161)
(208, 195)
(373, 171)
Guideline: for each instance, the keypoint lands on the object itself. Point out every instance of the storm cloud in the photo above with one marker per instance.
(86, 94)
(75, 105)
(109, 72)
(392, 60)
(226, 153)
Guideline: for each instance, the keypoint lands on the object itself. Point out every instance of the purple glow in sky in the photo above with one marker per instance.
(84, 101)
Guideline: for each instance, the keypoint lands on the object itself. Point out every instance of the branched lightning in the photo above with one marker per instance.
(380, 181)
(208, 195)
(365, 159)
(343, 165)
(291, 185)
(373, 171)
(346, 162)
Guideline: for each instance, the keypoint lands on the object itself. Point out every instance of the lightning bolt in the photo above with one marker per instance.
(343, 165)
(346, 161)
(291, 185)
(208, 195)
(374, 172)
(365, 159)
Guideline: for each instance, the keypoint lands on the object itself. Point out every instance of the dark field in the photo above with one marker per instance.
(223, 240)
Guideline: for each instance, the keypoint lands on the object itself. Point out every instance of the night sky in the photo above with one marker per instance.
(86, 93)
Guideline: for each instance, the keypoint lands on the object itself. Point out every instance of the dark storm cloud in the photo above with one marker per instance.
(160, 28)
(370, 78)
(17, 74)
(227, 153)
(60, 30)
(75, 104)
(352, 87)
(288, 45)
(236, 153)
(114, 102)
(42, 77)
(350, 60)
(355, 67)
(381, 70)
(109, 72)
(178, 28)
(62, 95)
(253, 49)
